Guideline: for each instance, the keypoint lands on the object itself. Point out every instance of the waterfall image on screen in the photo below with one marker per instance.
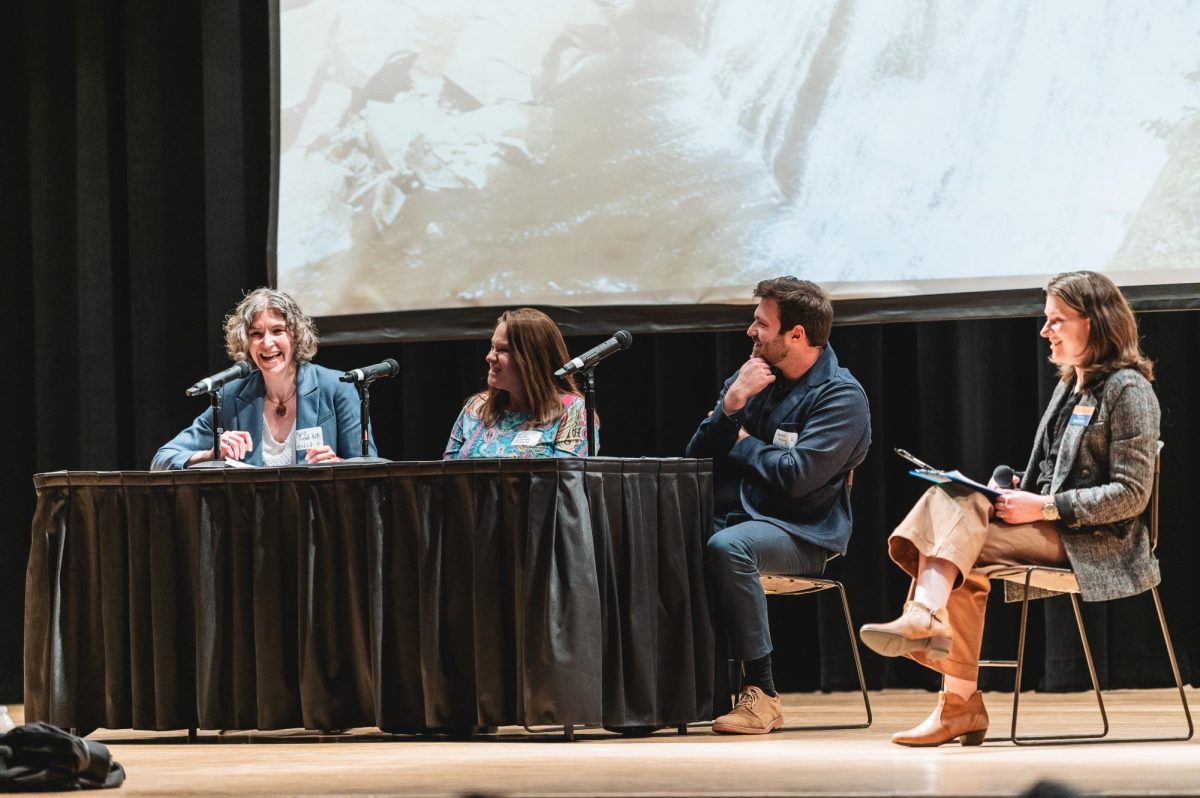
(499, 152)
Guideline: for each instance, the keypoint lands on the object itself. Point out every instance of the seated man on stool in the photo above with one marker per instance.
(787, 429)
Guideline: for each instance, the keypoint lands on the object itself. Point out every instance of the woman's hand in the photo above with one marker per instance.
(235, 445)
(1020, 506)
(321, 454)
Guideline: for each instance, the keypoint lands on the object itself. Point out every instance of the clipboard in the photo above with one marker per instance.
(936, 475)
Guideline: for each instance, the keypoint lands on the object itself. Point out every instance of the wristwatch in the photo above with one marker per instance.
(1050, 510)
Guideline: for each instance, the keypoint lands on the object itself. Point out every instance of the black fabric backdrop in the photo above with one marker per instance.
(406, 596)
(136, 168)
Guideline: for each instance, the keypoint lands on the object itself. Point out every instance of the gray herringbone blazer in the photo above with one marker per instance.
(1102, 483)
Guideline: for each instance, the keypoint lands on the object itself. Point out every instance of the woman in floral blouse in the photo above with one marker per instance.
(526, 411)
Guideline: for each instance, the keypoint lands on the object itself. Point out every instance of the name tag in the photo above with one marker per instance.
(309, 438)
(529, 437)
(1081, 416)
(787, 440)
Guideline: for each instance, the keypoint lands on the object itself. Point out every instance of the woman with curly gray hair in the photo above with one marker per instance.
(289, 410)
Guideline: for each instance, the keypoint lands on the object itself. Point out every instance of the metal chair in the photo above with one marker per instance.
(1049, 580)
(787, 585)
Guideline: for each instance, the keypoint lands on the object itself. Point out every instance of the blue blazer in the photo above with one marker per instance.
(321, 401)
(801, 486)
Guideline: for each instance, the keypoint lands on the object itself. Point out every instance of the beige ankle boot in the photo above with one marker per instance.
(954, 718)
(917, 629)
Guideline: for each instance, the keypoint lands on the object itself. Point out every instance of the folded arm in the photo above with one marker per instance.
(832, 434)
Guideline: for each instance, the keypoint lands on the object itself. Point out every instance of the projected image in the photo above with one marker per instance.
(500, 152)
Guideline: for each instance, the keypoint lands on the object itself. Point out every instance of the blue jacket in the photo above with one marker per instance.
(321, 401)
(799, 487)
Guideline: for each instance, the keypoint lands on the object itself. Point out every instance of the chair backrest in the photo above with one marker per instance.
(1152, 504)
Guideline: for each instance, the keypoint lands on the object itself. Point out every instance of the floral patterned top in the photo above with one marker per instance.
(516, 434)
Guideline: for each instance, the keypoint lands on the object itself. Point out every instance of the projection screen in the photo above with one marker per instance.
(456, 154)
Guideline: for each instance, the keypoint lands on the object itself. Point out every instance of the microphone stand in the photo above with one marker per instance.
(589, 408)
(217, 460)
(364, 421)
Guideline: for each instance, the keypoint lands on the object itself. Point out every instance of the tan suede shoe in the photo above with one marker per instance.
(954, 718)
(755, 713)
(917, 629)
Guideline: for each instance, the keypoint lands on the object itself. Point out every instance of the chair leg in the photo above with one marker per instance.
(1020, 659)
(1051, 739)
(1101, 737)
(1096, 685)
(1162, 623)
(1091, 663)
(862, 682)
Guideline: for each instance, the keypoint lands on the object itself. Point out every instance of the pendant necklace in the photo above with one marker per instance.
(281, 405)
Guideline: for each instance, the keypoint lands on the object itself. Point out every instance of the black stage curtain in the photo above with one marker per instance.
(138, 179)
(134, 160)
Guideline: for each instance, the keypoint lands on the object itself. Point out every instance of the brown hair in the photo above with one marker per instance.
(536, 349)
(800, 302)
(1112, 332)
(299, 326)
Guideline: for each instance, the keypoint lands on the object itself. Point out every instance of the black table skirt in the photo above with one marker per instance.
(407, 596)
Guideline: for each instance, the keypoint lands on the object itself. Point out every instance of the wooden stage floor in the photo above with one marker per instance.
(841, 763)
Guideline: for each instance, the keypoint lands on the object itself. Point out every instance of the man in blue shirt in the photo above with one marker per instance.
(788, 428)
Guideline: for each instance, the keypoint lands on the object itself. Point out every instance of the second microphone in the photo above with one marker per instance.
(621, 339)
(388, 368)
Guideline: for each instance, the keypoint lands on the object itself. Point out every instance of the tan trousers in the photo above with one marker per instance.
(957, 524)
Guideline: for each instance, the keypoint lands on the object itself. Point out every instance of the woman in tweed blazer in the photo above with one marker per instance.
(1079, 503)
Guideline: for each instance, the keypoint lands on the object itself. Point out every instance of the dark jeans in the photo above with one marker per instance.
(739, 550)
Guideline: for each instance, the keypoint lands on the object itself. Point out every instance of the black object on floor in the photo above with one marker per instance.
(38, 757)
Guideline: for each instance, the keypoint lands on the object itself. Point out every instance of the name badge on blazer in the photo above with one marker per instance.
(1081, 416)
(785, 439)
(309, 438)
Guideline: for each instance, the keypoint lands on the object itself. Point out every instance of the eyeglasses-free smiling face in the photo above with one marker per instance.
(1067, 331)
(502, 372)
(764, 330)
(270, 343)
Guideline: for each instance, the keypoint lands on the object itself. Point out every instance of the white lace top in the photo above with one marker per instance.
(276, 453)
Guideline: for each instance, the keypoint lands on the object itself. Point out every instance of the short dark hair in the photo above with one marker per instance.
(800, 302)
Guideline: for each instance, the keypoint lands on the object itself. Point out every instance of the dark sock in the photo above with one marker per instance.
(758, 673)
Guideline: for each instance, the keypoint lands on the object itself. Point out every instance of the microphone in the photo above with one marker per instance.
(210, 384)
(368, 374)
(621, 339)
(1003, 476)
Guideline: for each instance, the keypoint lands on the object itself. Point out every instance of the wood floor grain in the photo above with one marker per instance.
(843, 763)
